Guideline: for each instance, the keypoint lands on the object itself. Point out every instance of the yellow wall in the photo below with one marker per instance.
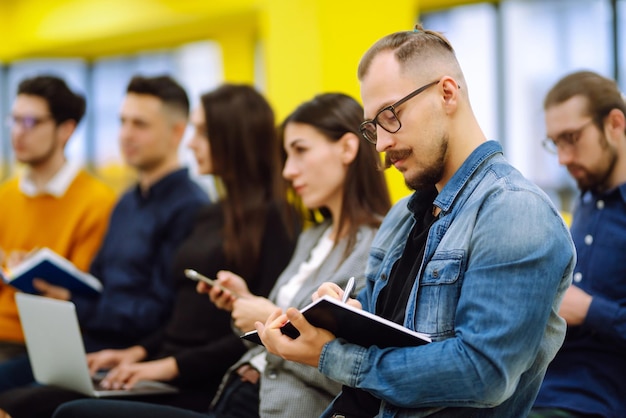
(308, 46)
(93, 28)
(312, 47)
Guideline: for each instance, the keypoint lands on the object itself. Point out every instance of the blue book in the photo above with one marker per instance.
(47, 265)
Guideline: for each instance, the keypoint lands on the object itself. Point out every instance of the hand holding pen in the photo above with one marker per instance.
(335, 291)
(348, 290)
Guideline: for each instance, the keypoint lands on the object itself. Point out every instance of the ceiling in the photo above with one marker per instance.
(96, 28)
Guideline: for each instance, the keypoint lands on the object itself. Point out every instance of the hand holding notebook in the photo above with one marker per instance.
(352, 324)
(47, 265)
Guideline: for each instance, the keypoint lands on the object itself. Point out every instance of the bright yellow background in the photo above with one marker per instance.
(307, 46)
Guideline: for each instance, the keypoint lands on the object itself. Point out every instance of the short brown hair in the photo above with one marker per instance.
(63, 103)
(408, 46)
(164, 88)
(602, 94)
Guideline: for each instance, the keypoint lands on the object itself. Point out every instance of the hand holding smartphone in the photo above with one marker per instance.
(194, 275)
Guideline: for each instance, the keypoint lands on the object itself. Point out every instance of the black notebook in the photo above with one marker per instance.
(354, 325)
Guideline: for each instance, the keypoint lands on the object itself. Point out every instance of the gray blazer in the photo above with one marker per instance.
(289, 389)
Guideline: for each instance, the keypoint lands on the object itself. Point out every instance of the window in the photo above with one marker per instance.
(511, 54)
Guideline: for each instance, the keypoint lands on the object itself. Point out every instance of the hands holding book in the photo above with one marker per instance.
(51, 291)
(15, 258)
(307, 348)
(42, 271)
(301, 335)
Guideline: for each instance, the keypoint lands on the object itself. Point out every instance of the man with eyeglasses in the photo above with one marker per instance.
(478, 257)
(53, 202)
(148, 223)
(586, 125)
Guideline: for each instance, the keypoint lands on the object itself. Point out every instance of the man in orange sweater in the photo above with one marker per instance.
(53, 202)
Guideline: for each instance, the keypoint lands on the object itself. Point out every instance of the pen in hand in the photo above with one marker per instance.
(348, 290)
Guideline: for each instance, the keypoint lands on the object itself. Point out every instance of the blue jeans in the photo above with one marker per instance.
(557, 413)
(15, 372)
(239, 400)
(98, 408)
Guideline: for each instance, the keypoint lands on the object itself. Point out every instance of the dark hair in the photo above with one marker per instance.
(63, 103)
(245, 154)
(365, 194)
(409, 46)
(602, 94)
(164, 88)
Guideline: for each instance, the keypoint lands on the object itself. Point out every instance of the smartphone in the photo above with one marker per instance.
(194, 275)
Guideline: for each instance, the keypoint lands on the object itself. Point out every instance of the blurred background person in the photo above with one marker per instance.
(586, 125)
(53, 202)
(146, 226)
(334, 170)
(251, 230)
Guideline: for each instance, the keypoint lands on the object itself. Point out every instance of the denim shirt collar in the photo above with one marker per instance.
(459, 180)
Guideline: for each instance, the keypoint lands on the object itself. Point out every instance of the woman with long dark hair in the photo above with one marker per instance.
(335, 173)
(250, 229)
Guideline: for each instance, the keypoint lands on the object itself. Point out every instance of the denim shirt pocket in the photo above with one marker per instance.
(438, 294)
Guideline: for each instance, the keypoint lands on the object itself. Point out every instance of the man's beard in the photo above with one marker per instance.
(430, 175)
(41, 159)
(597, 182)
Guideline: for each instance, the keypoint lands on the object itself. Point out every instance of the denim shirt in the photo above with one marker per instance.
(497, 262)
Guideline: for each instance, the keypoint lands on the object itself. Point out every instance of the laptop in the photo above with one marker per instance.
(56, 351)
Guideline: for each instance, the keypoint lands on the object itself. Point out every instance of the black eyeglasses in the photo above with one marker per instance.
(387, 118)
(565, 140)
(26, 122)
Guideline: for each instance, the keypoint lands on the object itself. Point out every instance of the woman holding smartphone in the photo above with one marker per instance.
(251, 229)
(335, 173)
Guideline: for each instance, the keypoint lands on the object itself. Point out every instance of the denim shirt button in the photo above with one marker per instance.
(383, 276)
(588, 239)
(600, 204)
(578, 277)
(435, 273)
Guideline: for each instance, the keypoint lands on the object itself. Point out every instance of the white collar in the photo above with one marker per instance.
(58, 184)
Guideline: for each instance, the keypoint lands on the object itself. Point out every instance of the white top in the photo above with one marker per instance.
(58, 184)
(318, 255)
(287, 292)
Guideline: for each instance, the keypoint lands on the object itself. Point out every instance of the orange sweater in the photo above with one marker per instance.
(72, 225)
